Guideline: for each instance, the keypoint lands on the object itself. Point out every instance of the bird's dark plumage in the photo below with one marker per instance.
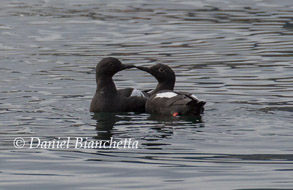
(166, 81)
(164, 74)
(107, 98)
(164, 100)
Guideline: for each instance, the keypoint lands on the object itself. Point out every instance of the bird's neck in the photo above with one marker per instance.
(105, 85)
(164, 86)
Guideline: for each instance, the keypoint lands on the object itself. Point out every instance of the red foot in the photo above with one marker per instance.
(175, 114)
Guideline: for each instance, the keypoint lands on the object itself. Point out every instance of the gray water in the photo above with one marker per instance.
(236, 55)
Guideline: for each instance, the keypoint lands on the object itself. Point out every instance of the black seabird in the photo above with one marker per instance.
(164, 100)
(166, 81)
(165, 76)
(107, 98)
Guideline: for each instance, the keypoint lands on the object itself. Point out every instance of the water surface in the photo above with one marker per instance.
(236, 55)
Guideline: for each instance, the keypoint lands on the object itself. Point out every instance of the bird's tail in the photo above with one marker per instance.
(196, 107)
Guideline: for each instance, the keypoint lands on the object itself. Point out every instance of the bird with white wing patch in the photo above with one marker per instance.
(163, 100)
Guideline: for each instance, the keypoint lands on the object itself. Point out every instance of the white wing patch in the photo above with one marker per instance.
(151, 91)
(193, 96)
(166, 95)
(136, 92)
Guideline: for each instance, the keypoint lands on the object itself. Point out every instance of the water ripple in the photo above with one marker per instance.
(236, 55)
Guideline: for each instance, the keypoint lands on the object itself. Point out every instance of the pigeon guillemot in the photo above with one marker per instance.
(165, 76)
(164, 100)
(166, 81)
(107, 98)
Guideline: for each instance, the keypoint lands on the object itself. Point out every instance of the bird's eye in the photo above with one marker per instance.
(161, 70)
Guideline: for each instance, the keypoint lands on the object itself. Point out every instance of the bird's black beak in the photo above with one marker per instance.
(128, 66)
(146, 69)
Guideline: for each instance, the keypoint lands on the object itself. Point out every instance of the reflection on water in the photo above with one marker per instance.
(105, 122)
(236, 55)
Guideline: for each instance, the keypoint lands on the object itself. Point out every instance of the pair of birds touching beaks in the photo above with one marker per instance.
(162, 100)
